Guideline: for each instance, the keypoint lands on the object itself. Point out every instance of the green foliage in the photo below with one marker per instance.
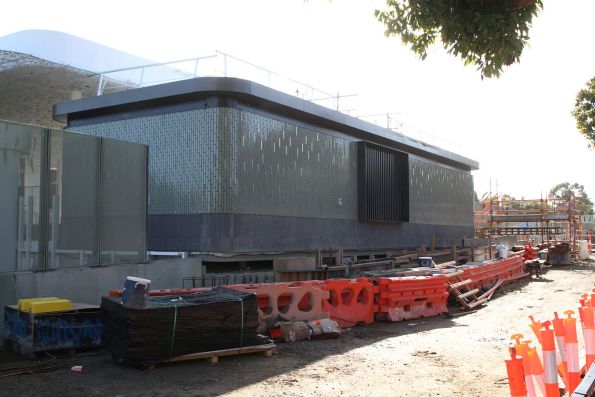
(567, 191)
(584, 112)
(509, 202)
(487, 33)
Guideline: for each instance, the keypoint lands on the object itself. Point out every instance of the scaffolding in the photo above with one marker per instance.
(550, 220)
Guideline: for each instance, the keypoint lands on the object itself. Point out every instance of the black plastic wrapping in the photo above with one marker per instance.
(171, 326)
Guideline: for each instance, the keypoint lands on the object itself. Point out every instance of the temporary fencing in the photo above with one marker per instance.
(560, 351)
(404, 298)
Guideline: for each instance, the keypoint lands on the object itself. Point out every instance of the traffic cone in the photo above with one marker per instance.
(548, 346)
(561, 342)
(516, 375)
(571, 351)
(588, 321)
(536, 368)
(536, 327)
(522, 349)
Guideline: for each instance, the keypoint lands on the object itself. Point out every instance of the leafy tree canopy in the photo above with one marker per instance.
(584, 112)
(567, 191)
(487, 33)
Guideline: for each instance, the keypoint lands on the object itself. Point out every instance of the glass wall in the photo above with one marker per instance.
(66, 197)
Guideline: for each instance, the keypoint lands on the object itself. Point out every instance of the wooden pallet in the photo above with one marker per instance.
(213, 356)
(466, 296)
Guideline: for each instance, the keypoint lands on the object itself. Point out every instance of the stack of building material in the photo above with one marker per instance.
(486, 274)
(559, 254)
(171, 326)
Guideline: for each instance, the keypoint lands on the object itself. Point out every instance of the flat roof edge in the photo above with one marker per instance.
(259, 95)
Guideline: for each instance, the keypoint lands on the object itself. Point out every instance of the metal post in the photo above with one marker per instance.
(20, 230)
(142, 75)
(54, 231)
(195, 67)
(28, 233)
(100, 86)
(225, 65)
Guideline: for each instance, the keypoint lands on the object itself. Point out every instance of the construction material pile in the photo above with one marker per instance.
(559, 254)
(172, 326)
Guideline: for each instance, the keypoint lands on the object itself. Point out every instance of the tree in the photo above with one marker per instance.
(584, 112)
(566, 191)
(487, 33)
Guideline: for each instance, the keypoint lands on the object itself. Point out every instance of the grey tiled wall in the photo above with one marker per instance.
(225, 160)
(439, 195)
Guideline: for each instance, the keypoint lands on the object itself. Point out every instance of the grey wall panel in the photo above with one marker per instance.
(223, 160)
(258, 233)
(439, 195)
(185, 165)
(283, 169)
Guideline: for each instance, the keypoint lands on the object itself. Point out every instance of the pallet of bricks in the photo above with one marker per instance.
(560, 366)
(169, 328)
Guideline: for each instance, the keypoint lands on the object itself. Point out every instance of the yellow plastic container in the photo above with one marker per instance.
(50, 306)
(44, 305)
(25, 304)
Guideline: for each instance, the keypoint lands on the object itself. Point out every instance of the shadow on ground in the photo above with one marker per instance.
(102, 376)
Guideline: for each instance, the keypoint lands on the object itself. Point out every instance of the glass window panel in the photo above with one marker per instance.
(123, 202)
(20, 177)
(73, 200)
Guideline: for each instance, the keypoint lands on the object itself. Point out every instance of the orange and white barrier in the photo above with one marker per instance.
(587, 315)
(405, 298)
(287, 301)
(548, 345)
(522, 349)
(487, 275)
(571, 351)
(537, 371)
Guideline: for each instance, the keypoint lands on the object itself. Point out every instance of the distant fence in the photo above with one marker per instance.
(228, 279)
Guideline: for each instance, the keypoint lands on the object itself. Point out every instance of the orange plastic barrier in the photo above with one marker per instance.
(350, 301)
(287, 301)
(487, 275)
(404, 298)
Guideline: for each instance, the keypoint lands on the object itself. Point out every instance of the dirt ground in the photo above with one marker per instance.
(440, 356)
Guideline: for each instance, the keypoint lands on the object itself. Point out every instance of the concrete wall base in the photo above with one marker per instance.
(89, 284)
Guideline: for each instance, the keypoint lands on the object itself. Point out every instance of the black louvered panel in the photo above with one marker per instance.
(383, 184)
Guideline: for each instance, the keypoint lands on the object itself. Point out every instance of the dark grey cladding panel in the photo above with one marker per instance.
(232, 92)
(256, 233)
(439, 195)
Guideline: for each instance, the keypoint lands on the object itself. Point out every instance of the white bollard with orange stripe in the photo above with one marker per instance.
(587, 316)
(560, 342)
(522, 349)
(537, 371)
(571, 342)
(548, 346)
